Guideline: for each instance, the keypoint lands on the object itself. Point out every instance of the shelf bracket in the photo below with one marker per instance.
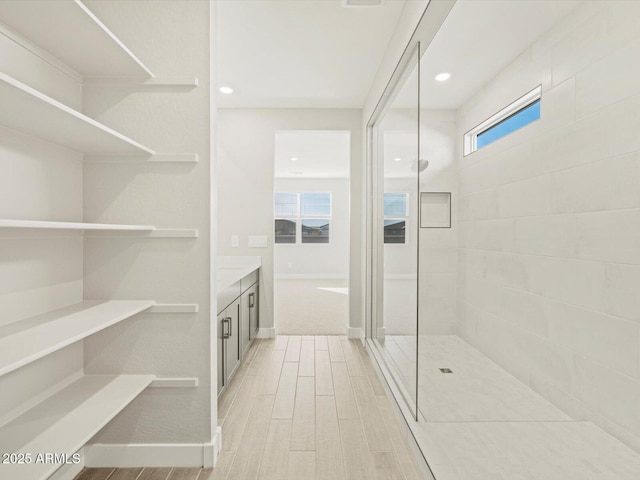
(184, 382)
(174, 308)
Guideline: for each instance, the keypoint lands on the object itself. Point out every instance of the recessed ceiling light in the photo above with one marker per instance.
(226, 90)
(294, 159)
(397, 159)
(442, 77)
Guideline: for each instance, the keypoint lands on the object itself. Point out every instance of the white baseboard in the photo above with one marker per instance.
(268, 332)
(212, 450)
(151, 455)
(354, 332)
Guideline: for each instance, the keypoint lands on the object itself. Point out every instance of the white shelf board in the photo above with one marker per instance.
(29, 111)
(69, 31)
(67, 420)
(28, 340)
(4, 223)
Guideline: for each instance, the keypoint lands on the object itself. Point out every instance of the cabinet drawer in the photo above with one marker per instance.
(249, 280)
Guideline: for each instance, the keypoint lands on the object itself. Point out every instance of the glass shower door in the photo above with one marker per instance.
(396, 173)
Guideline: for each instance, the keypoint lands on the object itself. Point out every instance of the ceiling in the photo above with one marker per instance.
(300, 53)
(477, 40)
(321, 54)
(318, 154)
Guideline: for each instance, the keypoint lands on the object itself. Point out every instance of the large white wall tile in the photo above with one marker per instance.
(524, 198)
(611, 393)
(571, 281)
(609, 80)
(527, 311)
(609, 340)
(612, 236)
(549, 238)
(573, 144)
(621, 287)
(480, 292)
(608, 184)
(552, 235)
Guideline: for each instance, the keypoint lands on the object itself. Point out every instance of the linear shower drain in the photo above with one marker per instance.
(446, 370)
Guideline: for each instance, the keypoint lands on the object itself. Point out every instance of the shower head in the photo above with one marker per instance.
(419, 166)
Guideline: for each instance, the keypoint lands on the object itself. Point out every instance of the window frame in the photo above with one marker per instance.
(470, 138)
(298, 218)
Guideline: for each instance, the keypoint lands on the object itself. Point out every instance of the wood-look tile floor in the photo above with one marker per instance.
(301, 408)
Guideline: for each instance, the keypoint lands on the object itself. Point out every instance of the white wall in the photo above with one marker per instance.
(549, 265)
(173, 40)
(330, 259)
(245, 196)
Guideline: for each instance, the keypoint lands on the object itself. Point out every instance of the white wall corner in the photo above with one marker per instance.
(268, 332)
(212, 450)
(148, 455)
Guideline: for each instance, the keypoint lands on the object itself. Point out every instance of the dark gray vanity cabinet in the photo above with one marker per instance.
(249, 317)
(228, 344)
(237, 325)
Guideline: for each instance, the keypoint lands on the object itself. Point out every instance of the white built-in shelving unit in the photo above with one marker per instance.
(31, 339)
(29, 111)
(65, 419)
(89, 47)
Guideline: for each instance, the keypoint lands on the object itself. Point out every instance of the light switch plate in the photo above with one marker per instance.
(235, 241)
(257, 241)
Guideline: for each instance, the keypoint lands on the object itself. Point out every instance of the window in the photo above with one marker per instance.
(302, 217)
(395, 217)
(520, 113)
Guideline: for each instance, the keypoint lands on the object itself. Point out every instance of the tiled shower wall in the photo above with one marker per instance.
(549, 243)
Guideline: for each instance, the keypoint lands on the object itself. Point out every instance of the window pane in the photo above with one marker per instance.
(285, 231)
(394, 230)
(315, 230)
(395, 204)
(315, 204)
(286, 205)
(509, 124)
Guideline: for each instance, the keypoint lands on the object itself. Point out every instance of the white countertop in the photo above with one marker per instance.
(230, 270)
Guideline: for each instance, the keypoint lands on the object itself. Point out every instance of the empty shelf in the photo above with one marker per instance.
(29, 111)
(64, 422)
(73, 226)
(69, 31)
(28, 340)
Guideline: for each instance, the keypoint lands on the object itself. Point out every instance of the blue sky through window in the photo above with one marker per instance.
(286, 205)
(509, 125)
(395, 204)
(315, 204)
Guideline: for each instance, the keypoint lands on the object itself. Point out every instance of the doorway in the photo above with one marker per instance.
(311, 231)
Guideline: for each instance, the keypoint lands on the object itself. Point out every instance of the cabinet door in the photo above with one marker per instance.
(254, 321)
(232, 342)
(221, 342)
(245, 318)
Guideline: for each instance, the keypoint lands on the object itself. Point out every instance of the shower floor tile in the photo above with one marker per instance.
(525, 451)
(476, 390)
(481, 423)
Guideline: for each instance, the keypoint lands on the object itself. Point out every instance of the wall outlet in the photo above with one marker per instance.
(257, 241)
(235, 241)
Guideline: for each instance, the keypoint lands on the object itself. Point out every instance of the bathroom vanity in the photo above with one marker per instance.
(238, 312)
